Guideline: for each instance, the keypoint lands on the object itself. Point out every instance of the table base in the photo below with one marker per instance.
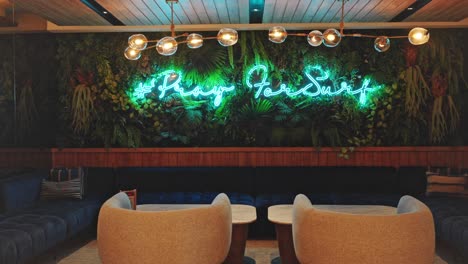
(285, 244)
(238, 242)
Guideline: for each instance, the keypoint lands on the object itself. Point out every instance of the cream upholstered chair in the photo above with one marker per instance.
(188, 236)
(325, 237)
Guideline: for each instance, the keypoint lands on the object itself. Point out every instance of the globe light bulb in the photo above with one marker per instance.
(166, 46)
(332, 37)
(194, 41)
(418, 36)
(382, 44)
(315, 38)
(227, 37)
(132, 54)
(137, 41)
(277, 34)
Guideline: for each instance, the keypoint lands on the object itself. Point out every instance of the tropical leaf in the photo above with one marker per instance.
(82, 108)
(256, 109)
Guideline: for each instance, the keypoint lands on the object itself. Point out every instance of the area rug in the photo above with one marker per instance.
(262, 251)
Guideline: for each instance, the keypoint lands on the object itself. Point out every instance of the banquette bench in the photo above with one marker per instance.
(30, 226)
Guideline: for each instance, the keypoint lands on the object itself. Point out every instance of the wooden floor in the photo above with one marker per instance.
(84, 250)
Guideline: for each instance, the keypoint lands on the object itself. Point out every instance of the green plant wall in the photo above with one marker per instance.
(419, 100)
(28, 97)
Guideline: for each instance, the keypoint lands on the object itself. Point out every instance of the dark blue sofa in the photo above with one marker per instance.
(30, 226)
(187, 185)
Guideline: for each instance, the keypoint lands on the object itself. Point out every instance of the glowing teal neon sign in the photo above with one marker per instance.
(171, 80)
(317, 84)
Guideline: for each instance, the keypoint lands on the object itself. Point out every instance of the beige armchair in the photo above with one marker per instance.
(325, 237)
(188, 236)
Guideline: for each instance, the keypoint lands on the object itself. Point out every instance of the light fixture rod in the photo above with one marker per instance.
(342, 18)
(357, 35)
(172, 18)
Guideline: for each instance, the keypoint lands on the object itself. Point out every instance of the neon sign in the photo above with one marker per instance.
(316, 84)
(171, 80)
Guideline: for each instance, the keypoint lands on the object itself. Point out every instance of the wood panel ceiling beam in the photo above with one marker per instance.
(51, 27)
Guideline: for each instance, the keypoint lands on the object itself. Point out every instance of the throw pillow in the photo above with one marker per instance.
(444, 184)
(63, 183)
(132, 195)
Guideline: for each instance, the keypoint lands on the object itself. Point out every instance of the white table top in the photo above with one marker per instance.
(241, 214)
(282, 214)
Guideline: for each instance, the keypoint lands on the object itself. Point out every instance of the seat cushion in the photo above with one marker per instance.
(16, 246)
(44, 231)
(23, 236)
(445, 207)
(190, 198)
(455, 233)
(77, 214)
(452, 229)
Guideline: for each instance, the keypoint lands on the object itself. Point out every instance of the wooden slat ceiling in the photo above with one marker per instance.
(442, 10)
(61, 12)
(323, 11)
(157, 12)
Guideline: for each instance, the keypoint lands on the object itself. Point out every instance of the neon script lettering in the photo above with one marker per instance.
(171, 80)
(317, 84)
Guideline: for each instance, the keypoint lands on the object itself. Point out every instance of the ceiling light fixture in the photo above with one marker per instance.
(332, 37)
(168, 45)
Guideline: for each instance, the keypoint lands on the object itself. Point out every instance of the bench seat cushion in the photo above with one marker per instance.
(445, 207)
(454, 231)
(23, 236)
(77, 214)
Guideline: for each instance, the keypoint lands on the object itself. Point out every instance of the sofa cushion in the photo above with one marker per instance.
(190, 198)
(100, 183)
(16, 246)
(186, 179)
(77, 214)
(445, 207)
(20, 191)
(455, 233)
(412, 180)
(8, 251)
(326, 179)
(45, 231)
